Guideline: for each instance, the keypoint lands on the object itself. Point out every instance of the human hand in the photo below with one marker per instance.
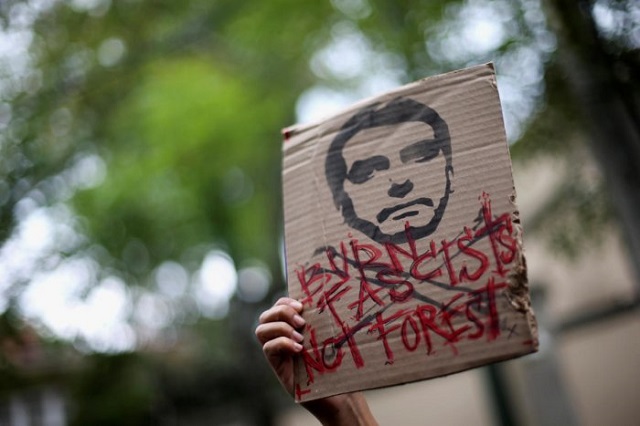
(278, 334)
(279, 338)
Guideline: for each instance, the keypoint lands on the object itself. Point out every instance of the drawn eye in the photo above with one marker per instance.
(428, 154)
(420, 152)
(363, 170)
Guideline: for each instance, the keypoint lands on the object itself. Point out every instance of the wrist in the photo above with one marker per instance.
(347, 409)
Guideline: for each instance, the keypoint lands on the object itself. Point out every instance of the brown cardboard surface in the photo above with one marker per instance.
(403, 239)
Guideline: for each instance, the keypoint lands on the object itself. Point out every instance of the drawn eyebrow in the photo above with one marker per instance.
(361, 170)
(423, 150)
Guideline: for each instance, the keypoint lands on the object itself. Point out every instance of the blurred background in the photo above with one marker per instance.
(140, 204)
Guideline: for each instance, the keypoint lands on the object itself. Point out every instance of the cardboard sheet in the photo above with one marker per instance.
(403, 239)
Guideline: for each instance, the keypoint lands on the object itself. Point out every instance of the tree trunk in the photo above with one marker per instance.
(609, 111)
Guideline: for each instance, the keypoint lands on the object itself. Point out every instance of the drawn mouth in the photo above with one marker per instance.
(407, 214)
(386, 213)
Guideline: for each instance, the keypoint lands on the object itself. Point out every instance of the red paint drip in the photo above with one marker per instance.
(300, 393)
(286, 133)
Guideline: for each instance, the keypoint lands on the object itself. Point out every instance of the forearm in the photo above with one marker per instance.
(348, 409)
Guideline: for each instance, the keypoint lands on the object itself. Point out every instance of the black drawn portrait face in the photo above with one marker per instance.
(400, 139)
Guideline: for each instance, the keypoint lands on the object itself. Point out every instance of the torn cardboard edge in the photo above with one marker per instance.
(402, 237)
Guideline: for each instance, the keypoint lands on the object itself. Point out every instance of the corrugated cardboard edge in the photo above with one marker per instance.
(518, 291)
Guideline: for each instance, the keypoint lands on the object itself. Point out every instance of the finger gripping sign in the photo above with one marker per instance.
(403, 241)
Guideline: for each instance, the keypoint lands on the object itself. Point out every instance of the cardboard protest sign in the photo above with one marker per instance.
(403, 240)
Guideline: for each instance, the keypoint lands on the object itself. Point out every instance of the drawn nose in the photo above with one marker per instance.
(400, 190)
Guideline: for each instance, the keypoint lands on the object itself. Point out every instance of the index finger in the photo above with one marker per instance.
(285, 310)
(289, 301)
